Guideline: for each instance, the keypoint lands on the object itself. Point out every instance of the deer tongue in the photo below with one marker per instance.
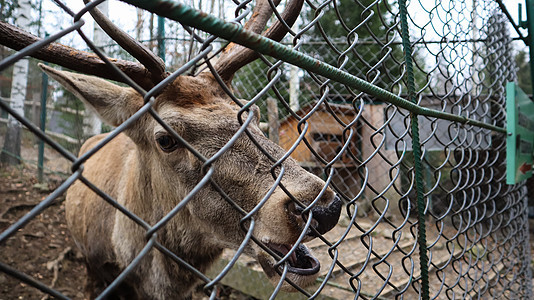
(301, 261)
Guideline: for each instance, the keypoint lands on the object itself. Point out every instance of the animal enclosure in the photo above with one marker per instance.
(399, 108)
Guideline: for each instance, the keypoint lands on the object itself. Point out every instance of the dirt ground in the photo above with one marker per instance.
(43, 248)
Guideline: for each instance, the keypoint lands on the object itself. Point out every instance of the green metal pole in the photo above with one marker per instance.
(416, 146)
(44, 93)
(233, 32)
(161, 37)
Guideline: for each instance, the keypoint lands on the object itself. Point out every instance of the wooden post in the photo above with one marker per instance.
(274, 123)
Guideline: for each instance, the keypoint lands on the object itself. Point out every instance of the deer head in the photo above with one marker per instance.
(154, 169)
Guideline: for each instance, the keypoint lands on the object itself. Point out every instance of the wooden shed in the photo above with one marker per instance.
(324, 131)
(323, 128)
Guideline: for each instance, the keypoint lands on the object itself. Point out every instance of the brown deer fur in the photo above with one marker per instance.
(150, 182)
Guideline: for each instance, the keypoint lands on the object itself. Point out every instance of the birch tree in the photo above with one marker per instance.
(11, 151)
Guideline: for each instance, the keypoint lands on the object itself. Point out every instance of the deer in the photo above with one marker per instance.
(148, 169)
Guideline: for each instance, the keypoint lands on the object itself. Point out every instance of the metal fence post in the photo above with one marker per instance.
(161, 37)
(44, 93)
(416, 145)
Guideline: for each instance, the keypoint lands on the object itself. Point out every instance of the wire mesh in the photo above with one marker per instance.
(477, 237)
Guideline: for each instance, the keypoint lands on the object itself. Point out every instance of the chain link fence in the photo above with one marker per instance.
(458, 232)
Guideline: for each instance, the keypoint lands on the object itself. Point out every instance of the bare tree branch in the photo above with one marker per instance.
(74, 59)
(153, 63)
(236, 56)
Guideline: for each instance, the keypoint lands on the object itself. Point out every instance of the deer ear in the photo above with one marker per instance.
(114, 104)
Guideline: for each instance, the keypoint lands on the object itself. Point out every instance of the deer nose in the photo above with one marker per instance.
(324, 217)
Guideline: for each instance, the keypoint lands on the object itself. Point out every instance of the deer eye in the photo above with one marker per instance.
(167, 143)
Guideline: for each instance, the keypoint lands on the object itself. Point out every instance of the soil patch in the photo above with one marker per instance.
(43, 248)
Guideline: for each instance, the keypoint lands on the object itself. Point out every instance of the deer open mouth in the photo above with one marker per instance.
(301, 261)
(302, 267)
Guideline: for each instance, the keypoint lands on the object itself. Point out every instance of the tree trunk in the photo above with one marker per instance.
(274, 123)
(11, 152)
(36, 110)
(151, 32)
(139, 25)
(294, 81)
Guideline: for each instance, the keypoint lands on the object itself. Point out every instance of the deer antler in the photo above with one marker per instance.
(153, 63)
(76, 60)
(151, 69)
(236, 56)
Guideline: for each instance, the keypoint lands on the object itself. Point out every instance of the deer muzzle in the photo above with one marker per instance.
(302, 267)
